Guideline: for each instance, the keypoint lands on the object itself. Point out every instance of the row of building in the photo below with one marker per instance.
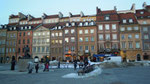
(124, 33)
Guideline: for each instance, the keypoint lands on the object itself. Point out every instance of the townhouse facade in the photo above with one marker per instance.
(122, 33)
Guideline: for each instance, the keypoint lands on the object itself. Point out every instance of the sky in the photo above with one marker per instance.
(37, 7)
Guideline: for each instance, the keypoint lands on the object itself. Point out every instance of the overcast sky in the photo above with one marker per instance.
(50, 7)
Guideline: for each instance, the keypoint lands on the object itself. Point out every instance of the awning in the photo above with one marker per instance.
(99, 55)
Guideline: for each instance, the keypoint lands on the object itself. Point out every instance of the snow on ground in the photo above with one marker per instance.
(95, 72)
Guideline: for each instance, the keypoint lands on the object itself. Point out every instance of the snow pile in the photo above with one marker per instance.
(95, 72)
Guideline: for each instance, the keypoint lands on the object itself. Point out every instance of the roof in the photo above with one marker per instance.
(13, 16)
(113, 16)
(78, 15)
(144, 15)
(35, 19)
(52, 16)
(127, 16)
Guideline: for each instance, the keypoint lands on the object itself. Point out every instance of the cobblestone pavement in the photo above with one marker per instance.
(130, 75)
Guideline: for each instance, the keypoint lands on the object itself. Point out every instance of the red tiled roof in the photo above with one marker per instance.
(52, 16)
(76, 15)
(145, 13)
(128, 16)
(13, 16)
(12, 24)
(49, 25)
(148, 6)
(35, 19)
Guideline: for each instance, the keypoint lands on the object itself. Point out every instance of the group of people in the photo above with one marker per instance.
(82, 64)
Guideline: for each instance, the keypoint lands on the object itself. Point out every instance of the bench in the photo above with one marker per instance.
(85, 70)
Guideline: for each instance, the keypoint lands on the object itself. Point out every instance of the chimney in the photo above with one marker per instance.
(81, 14)
(115, 8)
(60, 15)
(144, 5)
(70, 14)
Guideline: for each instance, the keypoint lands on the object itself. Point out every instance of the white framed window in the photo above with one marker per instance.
(28, 33)
(129, 36)
(114, 36)
(66, 31)
(80, 24)
(144, 22)
(67, 40)
(53, 34)
(107, 17)
(122, 29)
(107, 36)
(137, 44)
(72, 31)
(56, 34)
(100, 36)
(86, 31)
(34, 34)
(56, 41)
(123, 45)
(130, 45)
(142, 12)
(60, 41)
(86, 24)
(130, 20)
(113, 26)
(80, 39)
(73, 24)
(39, 34)
(72, 39)
(43, 33)
(124, 21)
(47, 40)
(129, 28)
(60, 33)
(91, 31)
(100, 27)
(80, 32)
(48, 33)
(106, 26)
(86, 39)
(136, 28)
(146, 36)
(137, 36)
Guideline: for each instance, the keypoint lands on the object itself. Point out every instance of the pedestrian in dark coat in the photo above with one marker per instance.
(37, 67)
(75, 64)
(13, 63)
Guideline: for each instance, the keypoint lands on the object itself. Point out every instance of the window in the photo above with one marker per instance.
(137, 36)
(72, 39)
(53, 34)
(100, 36)
(144, 22)
(107, 36)
(114, 46)
(66, 48)
(100, 27)
(39, 34)
(122, 29)
(60, 34)
(129, 28)
(43, 49)
(56, 34)
(136, 28)
(145, 29)
(81, 48)
(130, 20)
(86, 31)
(129, 36)
(43, 33)
(113, 26)
(130, 45)
(24, 33)
(47, 40)
(80, 32)
(86, 48)
(146, 46)
(92, 39)
(18, 50)
(72, 31)
(19, 42)
(72, 48)
(107, 18)
(73, 24)
(124, 21)
(145, 36)
(114, 36)
(123, 45)
(67, 40)
(86, 24)
(86, 39)
(80, 24)
(137, 44)
(92, 48)
(66, 31)
(48, 33)
(141, 12)
(34, 34)
(60, 41)
(34, 49)
(92, 31)
(23, 41)
(38, 49)
(80, 39)
(107, 27)
(28, 41)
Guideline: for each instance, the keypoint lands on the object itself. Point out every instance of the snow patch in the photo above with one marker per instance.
(95, 72)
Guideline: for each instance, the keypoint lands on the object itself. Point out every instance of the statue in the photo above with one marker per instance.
(27, 55)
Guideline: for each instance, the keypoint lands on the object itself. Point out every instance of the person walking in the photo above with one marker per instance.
(75, 64)
(13, 63)
(30, 67)
(37, 67)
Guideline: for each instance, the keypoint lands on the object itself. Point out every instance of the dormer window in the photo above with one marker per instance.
(124, 21)
(14, 28)
(130, 20)
(141, 12)
(86, 24)
(25, 27)
(107, 17)
(80, 24)
(29, 27)
(144, 22)
(73, 24)
(5, 26)
(91, 23)
(67, 24)
(21, 28)
(59, 27)
(10, 28)
(55, 27)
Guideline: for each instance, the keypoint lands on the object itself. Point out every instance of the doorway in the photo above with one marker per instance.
(138, 57)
